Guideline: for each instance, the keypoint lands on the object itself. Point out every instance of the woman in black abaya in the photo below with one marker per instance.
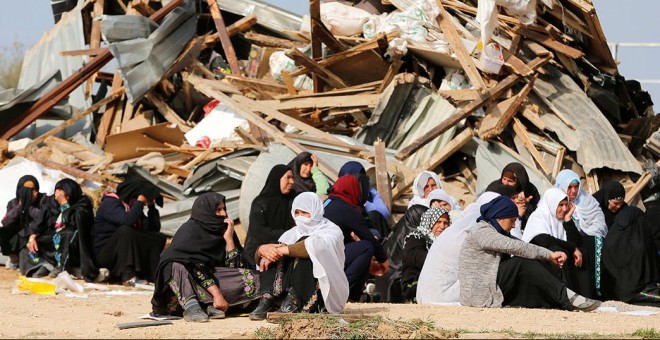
(202, 274)
(630, 262)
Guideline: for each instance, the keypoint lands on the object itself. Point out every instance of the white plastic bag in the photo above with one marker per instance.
(342, 19)
(279, 62)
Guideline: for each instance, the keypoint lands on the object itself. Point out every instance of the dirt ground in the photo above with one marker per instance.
(96, 316)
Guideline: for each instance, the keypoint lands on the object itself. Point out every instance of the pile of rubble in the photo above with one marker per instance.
(208, 95)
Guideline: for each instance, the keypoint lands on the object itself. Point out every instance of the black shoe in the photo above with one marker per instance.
(291, 304)
(41, 272)
(259, 313)
(215, 313)
(195, 314)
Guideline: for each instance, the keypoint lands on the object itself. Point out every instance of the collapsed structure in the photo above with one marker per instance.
(208, 95)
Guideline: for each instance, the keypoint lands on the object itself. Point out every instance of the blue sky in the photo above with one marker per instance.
(623, 21)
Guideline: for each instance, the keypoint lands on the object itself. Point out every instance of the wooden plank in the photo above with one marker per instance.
(94, 39)
(122, 5)
(454, 145)
(71, 171)
(550, 43)
(64, 88)
(493, 124)
(35, 142)
(456, 45)
(463, 113)
(224, 37)
(70, 148)
(392, 71)
(320, 71)
(109, 114)
(91, 52)
(534, 118)
(358, 100)
(521, 132)
(323, 33)
(233, 29)
(460, 95)
(382, 178)
(257, 120)
(317, 52)
(641, 183)
(246, 136)
(167, 112)
(559, 161)
(139, 324)
(288, 82)
(270, 41)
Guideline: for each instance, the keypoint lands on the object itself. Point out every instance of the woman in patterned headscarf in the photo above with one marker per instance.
(416, 247)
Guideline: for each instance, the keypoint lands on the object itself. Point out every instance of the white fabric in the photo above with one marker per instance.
(438, 281)
(544, 219)
(588, 216)
(418, 188)
(325, 246)
(442, 195)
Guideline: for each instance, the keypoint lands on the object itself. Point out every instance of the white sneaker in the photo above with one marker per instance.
(103, 275)
(11, 265)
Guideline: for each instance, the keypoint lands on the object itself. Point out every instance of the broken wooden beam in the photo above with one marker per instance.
(167, 112)
(463, 113)
(521, 132)
(64, 88)
(109, 114)
(318, 70)
(91, 52)
(227, 46)
(454, 145)
(549, 42)
(382, 178)
(493, 124)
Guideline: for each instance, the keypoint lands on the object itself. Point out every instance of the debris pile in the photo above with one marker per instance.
(208, 95)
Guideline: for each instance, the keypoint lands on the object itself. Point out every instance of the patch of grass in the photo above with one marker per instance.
(264, 332)
(647, 333)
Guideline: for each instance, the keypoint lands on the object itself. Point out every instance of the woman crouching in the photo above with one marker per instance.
(202, 273)
(309, 262)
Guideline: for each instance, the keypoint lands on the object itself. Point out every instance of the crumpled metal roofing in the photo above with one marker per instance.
(144, 60)
(594, 140)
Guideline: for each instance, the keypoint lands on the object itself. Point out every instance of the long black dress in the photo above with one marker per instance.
(63, 235)
(125, 241)
(197, 259)
(21, 211)
(270, 217)
(630, 261)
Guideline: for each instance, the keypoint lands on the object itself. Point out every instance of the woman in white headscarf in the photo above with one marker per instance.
(551, 226)
(439, 198)
(438, 281)
(314, 249)
(424, 183)
(591, 225)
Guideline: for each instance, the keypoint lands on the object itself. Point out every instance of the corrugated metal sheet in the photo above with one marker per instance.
(174, 214)
(407, 110)
(143, 62)
(596, 143)
(271, 17)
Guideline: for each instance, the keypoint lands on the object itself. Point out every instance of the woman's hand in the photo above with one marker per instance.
(571, 210)
(577, 257)
(270, 252)
(557, 258)
(263, 264)
(315, 161)
(354, 237)
(229, 234)
(32, 244)
(220, 303)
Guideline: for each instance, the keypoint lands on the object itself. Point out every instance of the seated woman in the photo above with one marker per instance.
(306, 174)
(549, 227)
(490, 277)
(439, 198)
(631, 265)
(590, 222)
(127, 242)
(438, 281)
(515, 174)
(344, 208)
(21, 211)
(52, 245)
(270, 217)
(309, 260)
(389, 285)
(416, 247)
(202, 273)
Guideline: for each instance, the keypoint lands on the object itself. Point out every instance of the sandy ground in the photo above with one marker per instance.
(33, 316)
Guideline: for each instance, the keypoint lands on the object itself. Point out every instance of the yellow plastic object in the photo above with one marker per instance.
(36, 286)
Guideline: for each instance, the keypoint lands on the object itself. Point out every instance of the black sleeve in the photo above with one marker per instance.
(572, 233)
(360, 226)
(153, 219)
(113, 211)
(12, 214)
(552, 243)
(414, 252)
